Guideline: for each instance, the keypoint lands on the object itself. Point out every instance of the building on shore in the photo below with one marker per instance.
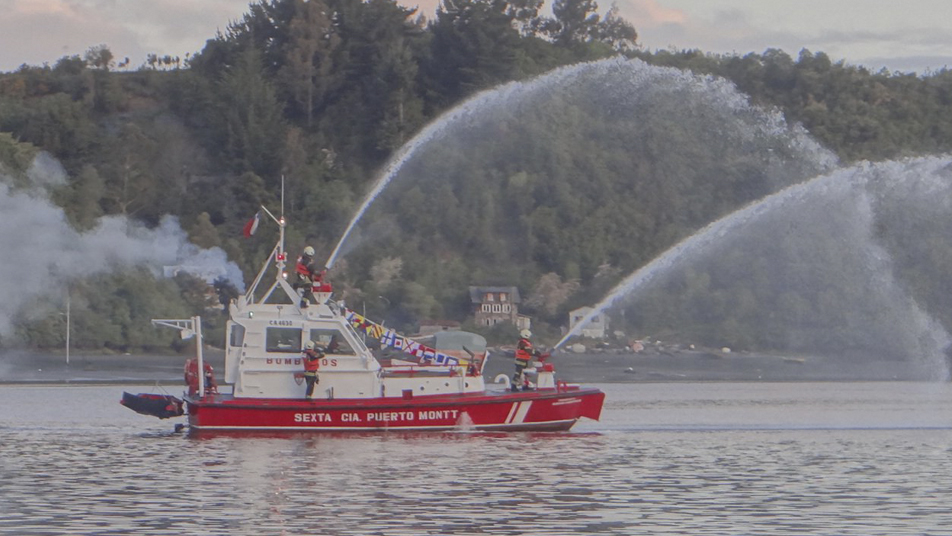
(596, 328)
(497, 305)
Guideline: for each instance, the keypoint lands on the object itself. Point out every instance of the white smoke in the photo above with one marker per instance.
(42, 253)
(46, 171)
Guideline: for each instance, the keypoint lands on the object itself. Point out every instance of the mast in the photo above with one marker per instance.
(279, 254)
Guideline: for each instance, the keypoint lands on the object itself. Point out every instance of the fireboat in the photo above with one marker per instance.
(430, 390)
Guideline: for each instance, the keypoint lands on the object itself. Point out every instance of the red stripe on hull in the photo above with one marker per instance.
(547, 410)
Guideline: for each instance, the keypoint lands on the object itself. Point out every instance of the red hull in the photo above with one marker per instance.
(543, 410)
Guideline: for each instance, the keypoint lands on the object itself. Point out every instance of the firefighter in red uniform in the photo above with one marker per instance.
(191, 377)
(307, 276)
(524, 354)
(312, 361)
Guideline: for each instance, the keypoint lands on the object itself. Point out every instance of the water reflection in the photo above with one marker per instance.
(62, 474)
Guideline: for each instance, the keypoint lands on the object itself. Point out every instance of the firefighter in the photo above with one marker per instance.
(307, 276)
(524, 354)
(191, 377)
(313, 353)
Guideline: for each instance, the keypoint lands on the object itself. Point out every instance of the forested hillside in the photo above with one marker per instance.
(559, 188)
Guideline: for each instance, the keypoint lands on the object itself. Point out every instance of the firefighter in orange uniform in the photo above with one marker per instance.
(524, 354)
(312, 361)
(307, 276)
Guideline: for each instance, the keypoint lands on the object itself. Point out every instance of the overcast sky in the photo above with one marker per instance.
(909, 35)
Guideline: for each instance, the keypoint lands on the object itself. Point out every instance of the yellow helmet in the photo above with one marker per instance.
(525, 334)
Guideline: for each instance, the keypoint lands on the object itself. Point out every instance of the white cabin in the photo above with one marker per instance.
(266, 337)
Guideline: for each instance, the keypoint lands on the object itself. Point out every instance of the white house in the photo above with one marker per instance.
(596, 328)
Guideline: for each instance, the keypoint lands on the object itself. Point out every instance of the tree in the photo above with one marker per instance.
(385, 271)
(308, 62)
(82, 200)
(251, 192)
(70, 65)
(129, 184)
(203, 234)
(226, 292)
(550, 293)
(100, 57)
(252, 119)
(55, 123)
(616, 31)
(374, 105)
(576, 21)
(475, 45)
(15, 156)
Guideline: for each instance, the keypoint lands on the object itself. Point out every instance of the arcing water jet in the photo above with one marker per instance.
(828, 248)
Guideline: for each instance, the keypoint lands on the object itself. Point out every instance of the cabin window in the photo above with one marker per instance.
(333, 341)
(503, 297)
(487, 308)
(489, 297)
(236, 336)
(505, 308)
(287, 340)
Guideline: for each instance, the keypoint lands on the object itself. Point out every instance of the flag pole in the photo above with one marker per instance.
(272, 216)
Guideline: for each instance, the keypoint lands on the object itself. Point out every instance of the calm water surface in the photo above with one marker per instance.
(683, 458)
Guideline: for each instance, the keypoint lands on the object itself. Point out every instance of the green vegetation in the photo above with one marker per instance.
(323, 92)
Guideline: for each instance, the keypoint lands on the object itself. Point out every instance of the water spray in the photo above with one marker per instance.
(868, 187)
(471, 108)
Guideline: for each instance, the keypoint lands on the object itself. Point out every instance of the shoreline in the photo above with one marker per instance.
(25, 368)
(175, 383)
(22, 368)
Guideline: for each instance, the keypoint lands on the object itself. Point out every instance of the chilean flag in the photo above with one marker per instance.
(252, 225)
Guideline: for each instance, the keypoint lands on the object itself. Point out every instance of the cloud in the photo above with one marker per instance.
(649, 14)
(726, 31)
(921, 51)
(179, 26)
(726, 27)
(922, 39)
(35, 32)
(907, 64)
(423, 7)
(42, 7)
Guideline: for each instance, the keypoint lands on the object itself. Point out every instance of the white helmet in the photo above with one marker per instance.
(309, 251)
(525, 334)
(309, 345)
